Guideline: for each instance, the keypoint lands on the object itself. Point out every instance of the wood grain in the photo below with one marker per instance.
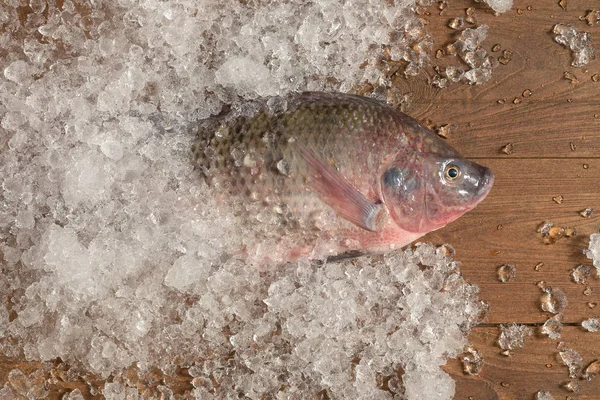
(554, 132)
(535, 367)
(543, 125)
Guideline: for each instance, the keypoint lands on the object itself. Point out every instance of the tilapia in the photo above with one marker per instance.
(327, 173)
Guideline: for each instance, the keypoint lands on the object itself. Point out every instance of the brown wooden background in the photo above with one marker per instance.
(541, 128)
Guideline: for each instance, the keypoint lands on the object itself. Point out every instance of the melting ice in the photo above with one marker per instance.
(578, 42)
(593, 251)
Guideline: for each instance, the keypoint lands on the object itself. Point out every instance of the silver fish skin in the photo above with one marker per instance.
(327, 173)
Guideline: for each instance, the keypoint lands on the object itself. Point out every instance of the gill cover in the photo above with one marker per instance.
(402, 189)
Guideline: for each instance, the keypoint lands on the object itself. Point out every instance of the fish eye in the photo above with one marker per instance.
(451, 172)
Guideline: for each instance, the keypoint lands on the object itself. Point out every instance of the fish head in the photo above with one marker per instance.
(430, 190)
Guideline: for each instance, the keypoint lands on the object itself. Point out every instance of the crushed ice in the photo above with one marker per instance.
(593, 251)
(540, 395)
(578, 42)
(553, 300)
(581, 274)
(468, 48)
(552, 327)
(472, 361)
(591, 324)
(571, 358)
(305, 322)
(506, 272)
(500, 6)
(572, 386)
(512, 336)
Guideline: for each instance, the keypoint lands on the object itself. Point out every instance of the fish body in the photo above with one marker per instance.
(327, 173)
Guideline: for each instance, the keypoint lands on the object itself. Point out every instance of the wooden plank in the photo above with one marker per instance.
(536, 130)
(536, 58)
(536, 366)
(526, 185)
(502, 230)
(543, 164)
(542, 125)
(482, 249)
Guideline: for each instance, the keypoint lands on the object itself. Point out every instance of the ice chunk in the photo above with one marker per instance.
(478, 76)
(476, 58)
(186, 272)
(454, 74)
(544, 227)
(552, 327)
(251, 77)
(543, 396)
(445, 130)
(471, 38)
(592, 370)
(112, 149)
(472, 361)
(591, 324)
(439, 82)
(19, 72)
(70, 261)
(32, 386)
(592, 17)
(12, 121)
(572, 386)
(500, 6)
(578, 42)
(513, 336)
(506, 272)
(553, 300)
(74, 395)
(86, 180)
(467, 47)
(581, 274)
(457, 23)
(571, 358)
(593, 251)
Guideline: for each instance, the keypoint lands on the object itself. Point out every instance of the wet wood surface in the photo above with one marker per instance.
(555, 133)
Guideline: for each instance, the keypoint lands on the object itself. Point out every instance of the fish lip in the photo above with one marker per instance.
(486, 184)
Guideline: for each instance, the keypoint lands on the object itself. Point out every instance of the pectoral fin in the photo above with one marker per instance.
(334, 190)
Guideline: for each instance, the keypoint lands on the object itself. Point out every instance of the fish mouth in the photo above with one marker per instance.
(485, 184)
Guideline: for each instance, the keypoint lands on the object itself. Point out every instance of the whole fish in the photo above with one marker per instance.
(328, 173)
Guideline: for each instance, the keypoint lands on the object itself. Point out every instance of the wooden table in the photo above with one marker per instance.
(502, 229)
(543, 165)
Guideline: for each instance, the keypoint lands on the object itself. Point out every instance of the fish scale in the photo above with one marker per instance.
(329, 126)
